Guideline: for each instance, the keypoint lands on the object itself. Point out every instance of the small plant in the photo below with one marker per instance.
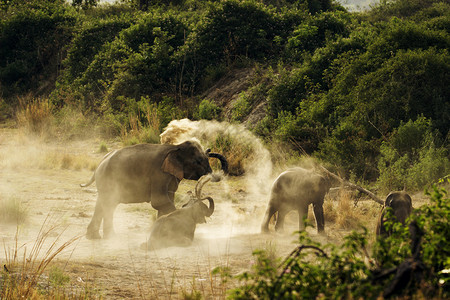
(241, 107)
(103, 148)
(57, 277)
(35, 115)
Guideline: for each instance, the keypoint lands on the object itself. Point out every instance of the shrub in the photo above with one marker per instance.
(33, 36)
(315, 31)
(35, 115)
(412, 158)
(241, 108)
(313, 271)
(93, 36)
(208, 110)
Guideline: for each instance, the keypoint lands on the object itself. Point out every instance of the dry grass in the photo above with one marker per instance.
(347, 213)
(35, 115)
(12, 211)
(58, 160)
(22, 276)
(139, 133)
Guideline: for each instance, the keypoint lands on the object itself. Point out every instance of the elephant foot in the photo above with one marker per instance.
(321, 232)
(93, 235)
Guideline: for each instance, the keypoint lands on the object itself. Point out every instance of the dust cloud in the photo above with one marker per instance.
(258, 168)
(237, 218)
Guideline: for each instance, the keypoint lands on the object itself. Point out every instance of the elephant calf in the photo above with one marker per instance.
(178, 227)
(296, 189)
(401, 205)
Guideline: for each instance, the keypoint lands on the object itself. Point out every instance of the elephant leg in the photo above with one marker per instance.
(94, 226)
(318, 214)
(302, 215)
(269, 213)
(279, 225)
(108, 226)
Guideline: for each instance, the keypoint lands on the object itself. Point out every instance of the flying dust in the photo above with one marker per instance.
(257, 176)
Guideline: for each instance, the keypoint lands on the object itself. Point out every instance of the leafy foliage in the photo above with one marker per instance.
(335, 84)
(328, 272)
(412, 158)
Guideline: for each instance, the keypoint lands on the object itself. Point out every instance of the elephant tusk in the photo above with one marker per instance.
(200, 184)
(211, 206)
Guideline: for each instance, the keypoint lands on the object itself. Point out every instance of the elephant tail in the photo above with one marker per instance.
(89, 182)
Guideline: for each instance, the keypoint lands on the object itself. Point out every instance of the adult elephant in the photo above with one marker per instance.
(401, 205)
(296, 189)
(145, 173)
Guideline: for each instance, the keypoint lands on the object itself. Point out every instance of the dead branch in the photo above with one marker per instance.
(353, 186)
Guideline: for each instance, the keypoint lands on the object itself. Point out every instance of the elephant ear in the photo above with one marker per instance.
(172, 166)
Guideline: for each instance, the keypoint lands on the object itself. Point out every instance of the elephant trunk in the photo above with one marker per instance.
(223, 160)
(211, 206)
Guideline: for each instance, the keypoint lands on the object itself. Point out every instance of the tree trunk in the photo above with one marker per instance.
(353, 186)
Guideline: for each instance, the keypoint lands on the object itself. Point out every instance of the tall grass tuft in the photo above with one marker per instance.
(35, 115)
(12, 211)
(23, 270)
(347, 217)
(139, 133)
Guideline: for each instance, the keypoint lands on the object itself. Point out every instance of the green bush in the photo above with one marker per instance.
(93, 36)
(208, 110)
(33, 38)
(315, 31)
(313, 271)
(139, 62)
(237, 28)
(412, 158)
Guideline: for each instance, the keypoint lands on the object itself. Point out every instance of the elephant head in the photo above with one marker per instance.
(178, 227)
(188, 161)
(401, 204)
(199, 210)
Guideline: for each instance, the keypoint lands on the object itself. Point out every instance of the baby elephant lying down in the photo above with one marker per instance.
(178, 227)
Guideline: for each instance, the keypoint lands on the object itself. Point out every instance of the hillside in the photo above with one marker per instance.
(348, 88)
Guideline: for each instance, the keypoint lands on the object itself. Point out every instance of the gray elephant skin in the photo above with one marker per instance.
(177, 229)
(401, 204)
(145, 173)
(296, 189)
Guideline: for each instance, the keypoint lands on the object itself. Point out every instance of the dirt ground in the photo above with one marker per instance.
(45, 178)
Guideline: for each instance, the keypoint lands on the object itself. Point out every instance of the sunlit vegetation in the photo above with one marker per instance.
(339, 86)
(409, 263)
(366, 93)
(22, 275)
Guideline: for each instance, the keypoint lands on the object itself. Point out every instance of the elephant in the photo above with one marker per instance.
(296, 189)
(145, 173)
(177, 228)
(401, 204)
